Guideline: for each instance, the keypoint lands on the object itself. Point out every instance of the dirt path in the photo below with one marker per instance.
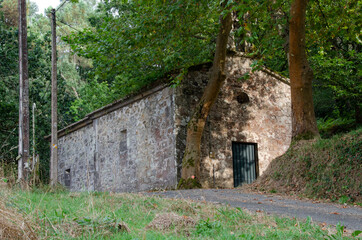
(331, 214)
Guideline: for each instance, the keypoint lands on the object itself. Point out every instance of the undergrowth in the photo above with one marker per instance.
(330, 126)
(324, 168)
(67, 215)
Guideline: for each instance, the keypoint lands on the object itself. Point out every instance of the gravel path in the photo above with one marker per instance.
(331, 214)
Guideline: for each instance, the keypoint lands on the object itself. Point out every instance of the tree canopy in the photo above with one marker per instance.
(131, 43)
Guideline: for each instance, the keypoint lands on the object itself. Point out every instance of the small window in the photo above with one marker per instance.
(242, 98)
(123, 141)
(67, 177)
(123, 135)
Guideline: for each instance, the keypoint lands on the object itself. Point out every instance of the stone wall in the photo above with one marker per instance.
(264, 120)
(76, 154)
(129, 149)
(139, 144)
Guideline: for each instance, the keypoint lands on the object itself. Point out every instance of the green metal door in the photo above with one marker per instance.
(244, 162)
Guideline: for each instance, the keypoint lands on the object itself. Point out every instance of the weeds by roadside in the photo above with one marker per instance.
(67, 215)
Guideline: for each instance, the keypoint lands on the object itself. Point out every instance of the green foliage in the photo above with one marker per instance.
(99, 224)
(344, 199)
(205, 228)
(94, 95)
(331, 126)
(262, 33)
(8, 90)
(356, 233)
(339, 233)
(140, 42)
(334, 50)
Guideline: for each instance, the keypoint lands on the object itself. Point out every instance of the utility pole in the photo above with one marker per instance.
(33, 162)
(54, 131)
(23, 149)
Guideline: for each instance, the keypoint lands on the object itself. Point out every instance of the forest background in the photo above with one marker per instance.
(110, 49)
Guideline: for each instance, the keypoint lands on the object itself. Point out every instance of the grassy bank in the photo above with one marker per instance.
(325, 168)
(65, 215)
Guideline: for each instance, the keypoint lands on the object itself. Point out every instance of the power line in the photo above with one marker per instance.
(68, 25)
(61, 5)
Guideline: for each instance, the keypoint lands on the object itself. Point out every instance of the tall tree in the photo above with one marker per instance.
(195, 128)
(301, 75)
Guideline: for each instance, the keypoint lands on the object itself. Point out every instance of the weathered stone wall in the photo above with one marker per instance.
(265, 120)
(139, 145)
(129, 149)
(76, 153)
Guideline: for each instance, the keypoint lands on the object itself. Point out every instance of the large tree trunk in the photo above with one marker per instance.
(301, 75)
(190, 174)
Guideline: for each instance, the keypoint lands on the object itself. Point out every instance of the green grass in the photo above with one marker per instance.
(67, 215)
(324, 168)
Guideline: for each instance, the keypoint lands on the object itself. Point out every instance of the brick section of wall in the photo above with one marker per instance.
(265, 120)
(130, 149)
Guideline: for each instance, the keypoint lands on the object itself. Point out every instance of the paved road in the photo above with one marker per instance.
(331, 214)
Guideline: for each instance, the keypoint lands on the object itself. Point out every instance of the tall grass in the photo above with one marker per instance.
(67, 215)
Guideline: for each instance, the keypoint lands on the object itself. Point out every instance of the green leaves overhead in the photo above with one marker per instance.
(145, 39)
(132, 43)
(334, 31)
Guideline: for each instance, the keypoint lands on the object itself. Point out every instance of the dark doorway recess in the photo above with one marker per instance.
(245, 162)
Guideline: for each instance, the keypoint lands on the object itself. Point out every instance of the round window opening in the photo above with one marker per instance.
(243, 98)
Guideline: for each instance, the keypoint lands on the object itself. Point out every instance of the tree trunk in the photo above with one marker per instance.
(301, 75)
(190, 174)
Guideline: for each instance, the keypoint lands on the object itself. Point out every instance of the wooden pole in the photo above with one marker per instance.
(54, 131)
(23, 149)
(33, 162)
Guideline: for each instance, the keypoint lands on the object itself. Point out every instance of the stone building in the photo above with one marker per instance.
(137, 143)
